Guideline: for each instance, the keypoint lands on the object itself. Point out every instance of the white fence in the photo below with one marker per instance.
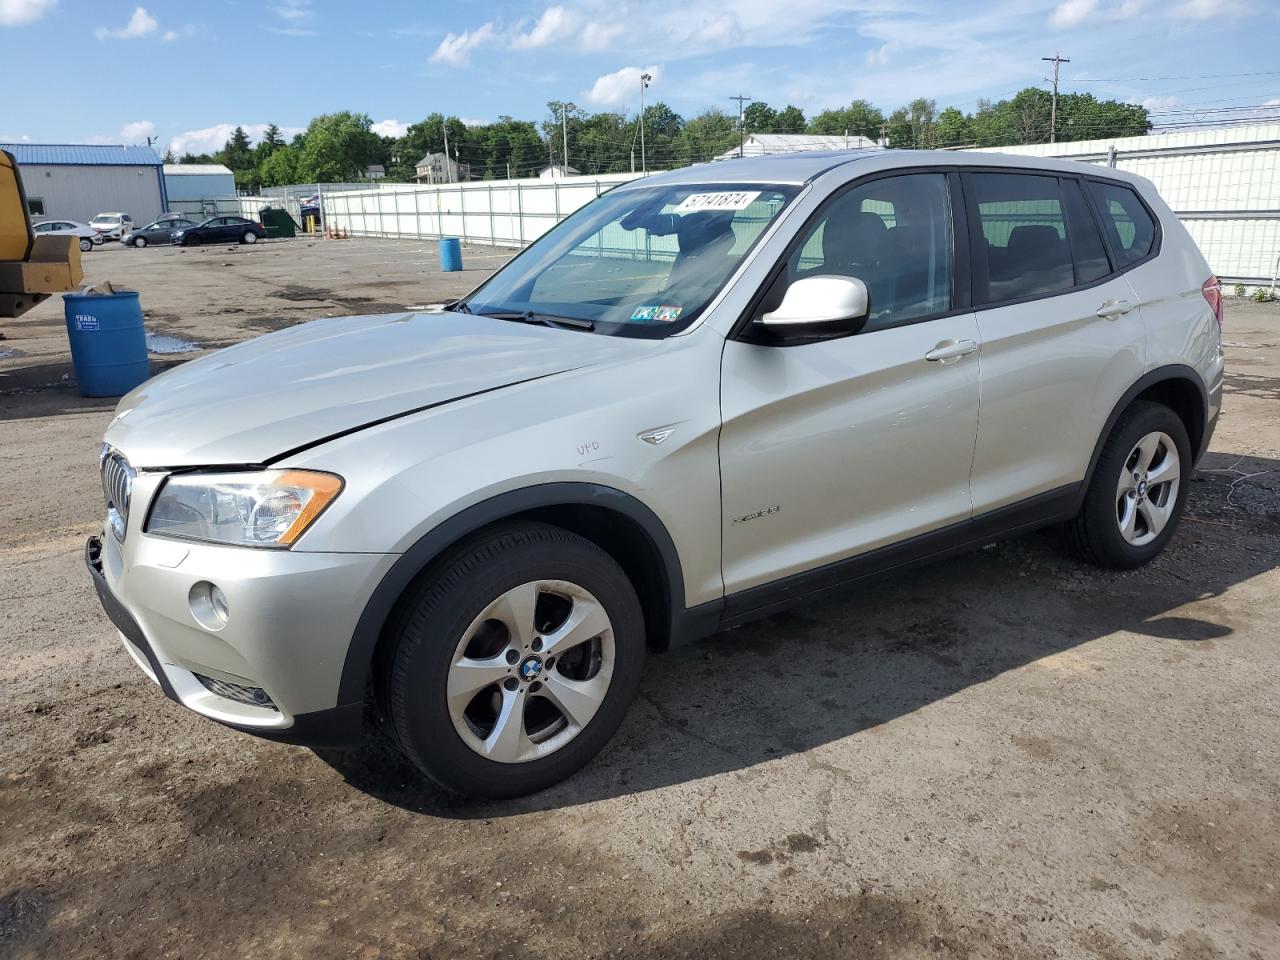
(498, 212)
(1223, 183)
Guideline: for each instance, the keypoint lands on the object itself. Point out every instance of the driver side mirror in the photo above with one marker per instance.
(818, 305)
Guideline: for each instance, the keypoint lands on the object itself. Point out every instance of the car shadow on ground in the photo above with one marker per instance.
(839, 669)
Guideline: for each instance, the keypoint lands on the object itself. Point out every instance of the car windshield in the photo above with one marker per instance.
(106, 219)
(639, 262)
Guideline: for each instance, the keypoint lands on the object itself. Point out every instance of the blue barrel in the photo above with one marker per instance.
(108, 343)
(450, 254)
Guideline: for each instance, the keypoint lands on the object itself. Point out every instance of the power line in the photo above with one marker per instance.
(742, 126)
(1057, 60)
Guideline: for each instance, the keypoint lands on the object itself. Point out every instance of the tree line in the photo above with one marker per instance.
(340, 146)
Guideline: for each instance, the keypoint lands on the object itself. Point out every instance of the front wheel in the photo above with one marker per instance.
(517, 662)
(250, 237)
(139, 241)
(1138, 490)
(85, 244)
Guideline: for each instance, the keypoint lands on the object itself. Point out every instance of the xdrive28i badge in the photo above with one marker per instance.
(766, 512)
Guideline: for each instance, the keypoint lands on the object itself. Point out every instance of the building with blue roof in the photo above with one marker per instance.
(77, 181)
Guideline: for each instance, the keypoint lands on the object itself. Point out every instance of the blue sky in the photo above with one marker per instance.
(186, 72)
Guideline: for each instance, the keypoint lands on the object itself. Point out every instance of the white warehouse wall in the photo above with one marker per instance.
(82, 191)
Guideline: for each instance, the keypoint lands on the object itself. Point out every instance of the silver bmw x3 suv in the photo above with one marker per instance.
(705, 396)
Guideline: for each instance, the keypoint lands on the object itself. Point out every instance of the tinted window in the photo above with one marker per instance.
(893, 234)
(1128, 225)
(1086, 242)
(1025, 236)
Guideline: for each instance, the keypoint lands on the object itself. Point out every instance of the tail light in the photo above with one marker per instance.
(1212, 291)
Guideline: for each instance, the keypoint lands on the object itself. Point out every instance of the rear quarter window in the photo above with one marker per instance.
(1126, 221)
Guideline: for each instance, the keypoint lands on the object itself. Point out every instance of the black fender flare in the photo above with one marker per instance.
(368, 629)
(1174, 371)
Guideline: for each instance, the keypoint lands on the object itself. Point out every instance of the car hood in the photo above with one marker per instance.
(255, 401)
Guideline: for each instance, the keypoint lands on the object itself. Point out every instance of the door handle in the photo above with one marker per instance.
(948, 351)
(1113, 309)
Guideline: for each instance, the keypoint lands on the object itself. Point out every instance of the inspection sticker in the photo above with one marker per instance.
(662, 313)
(723, 200)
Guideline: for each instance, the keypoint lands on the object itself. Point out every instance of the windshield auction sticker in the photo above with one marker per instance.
(724, 200)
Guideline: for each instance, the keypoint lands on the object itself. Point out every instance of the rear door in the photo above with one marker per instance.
(1062, 333)
(832, 448)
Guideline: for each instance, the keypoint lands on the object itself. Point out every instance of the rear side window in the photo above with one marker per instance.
(1128, 225)
(1024, 237)
(1086, 242)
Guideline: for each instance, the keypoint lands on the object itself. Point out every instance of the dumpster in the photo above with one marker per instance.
(108, 343)
(450, 254)
(278, 222)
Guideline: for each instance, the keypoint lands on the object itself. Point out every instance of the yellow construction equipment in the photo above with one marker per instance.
(31, 268)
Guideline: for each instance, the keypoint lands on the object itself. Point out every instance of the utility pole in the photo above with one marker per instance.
(742, 126)
(1057, 60)
(448, 171)
(644, 162)
(884, 135)
(564, 129)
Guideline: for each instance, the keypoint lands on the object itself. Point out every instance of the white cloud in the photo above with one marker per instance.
(1273, 102)
(556, 23)
(1072, 13)
(293, 10)
(15, 138)
(137, 131)
(140, 25)
(15, 12)
(880, 56)
(390, 128)
(1158, 103)
(620, 86)
(456, 48)
(212, 139)
(472, 122)
(1209, 9)
(188, 30)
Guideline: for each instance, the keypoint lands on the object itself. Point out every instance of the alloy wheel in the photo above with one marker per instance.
(1147, 490)
(531, 671)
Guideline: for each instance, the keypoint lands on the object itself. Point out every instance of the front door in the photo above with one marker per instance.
(831, 449)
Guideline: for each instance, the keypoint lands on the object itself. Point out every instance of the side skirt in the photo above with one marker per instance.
(812, 585)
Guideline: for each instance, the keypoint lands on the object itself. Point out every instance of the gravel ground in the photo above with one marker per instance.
(1005, 755)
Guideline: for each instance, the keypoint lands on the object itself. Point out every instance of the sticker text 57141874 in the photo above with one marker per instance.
(720, 200)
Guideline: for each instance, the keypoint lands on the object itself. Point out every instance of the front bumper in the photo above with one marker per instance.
(288, 634)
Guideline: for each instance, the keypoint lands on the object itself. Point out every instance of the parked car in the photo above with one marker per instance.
(112, 226)
(161, 231)
(89, 237)
(310, 207)
(708, 395)
(220, 230)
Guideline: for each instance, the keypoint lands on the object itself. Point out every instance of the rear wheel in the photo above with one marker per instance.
(250, 237)
(1138, 490)
(517, 663)
(193, 241)
(85, 244)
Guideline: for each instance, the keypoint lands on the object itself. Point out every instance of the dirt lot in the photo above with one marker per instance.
(1008, 755)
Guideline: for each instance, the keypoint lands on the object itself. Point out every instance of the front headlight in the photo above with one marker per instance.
(270, 508)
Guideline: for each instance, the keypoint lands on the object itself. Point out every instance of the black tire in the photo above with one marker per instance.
(249, 237)
(85, 244)
(139, 242)
(469, 579)
(192, 241)
(1094, 534)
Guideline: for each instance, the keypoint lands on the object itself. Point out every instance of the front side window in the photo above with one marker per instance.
(893, 234)
(1126, 221)
(1024, 237)
(641, 262)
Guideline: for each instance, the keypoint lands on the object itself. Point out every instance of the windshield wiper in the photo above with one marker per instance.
(459, 305)
(545, 319)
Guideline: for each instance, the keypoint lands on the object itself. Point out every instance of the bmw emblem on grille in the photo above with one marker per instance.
(530, 668)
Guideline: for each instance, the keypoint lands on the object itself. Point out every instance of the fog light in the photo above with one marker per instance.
(209, 605)
(239, 692)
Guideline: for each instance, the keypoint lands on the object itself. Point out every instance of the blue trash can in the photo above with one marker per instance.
(450, 254)
(108, 343)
